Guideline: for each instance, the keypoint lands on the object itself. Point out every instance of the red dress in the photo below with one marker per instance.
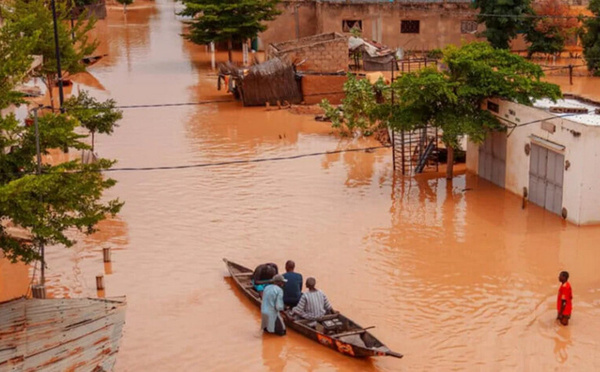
(565, 293)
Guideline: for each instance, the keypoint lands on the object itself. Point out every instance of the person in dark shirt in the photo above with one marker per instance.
(262, 276)
(292, 290)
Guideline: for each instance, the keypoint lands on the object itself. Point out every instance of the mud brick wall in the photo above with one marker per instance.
(318, 87)
(330, 56)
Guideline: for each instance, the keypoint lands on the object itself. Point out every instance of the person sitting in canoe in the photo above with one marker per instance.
(292, 290)
(313, 304)
(272, 304)
(262, 276)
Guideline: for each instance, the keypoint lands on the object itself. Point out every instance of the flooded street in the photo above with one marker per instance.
(456, 276)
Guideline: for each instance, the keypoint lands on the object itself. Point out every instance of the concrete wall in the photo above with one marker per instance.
(581, 187)
(440, 24)
(284, 27)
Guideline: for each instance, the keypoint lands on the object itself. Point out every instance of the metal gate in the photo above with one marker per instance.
(492, 158)
(546, 172)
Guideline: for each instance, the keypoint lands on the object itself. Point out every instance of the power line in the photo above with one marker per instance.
(175, 104)
(249, 161)
(230, 162)
(579, 16)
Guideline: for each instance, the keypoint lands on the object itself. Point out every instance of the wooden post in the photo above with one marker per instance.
(245, 52)
(38, 291)
(212, 55)
(402, 154)
(571, 74)
(106, 254)
(99, 282)
(449, 162)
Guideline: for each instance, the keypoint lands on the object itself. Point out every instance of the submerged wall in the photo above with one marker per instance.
(440, 23)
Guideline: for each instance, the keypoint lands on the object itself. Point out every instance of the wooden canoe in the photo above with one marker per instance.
(351, 339)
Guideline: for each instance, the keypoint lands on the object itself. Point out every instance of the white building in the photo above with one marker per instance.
(550, 153)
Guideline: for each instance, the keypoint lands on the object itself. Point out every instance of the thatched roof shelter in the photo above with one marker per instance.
(272, 81)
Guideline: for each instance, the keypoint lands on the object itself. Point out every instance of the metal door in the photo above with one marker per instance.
(546, 173)
(492, 158)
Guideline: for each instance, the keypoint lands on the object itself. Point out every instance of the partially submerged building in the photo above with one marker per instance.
(320, 53)
(408, 24)
(549, 154)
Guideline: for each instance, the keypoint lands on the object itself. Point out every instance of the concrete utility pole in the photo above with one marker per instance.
(38, 172)
(39, 291)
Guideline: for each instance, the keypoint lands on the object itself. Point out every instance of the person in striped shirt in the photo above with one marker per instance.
(313, 304)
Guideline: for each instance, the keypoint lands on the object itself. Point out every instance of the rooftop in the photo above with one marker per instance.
(568, 108)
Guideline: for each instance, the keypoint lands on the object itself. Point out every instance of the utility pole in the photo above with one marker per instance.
(393, 135)
(61, 96)
(39, 291)
(38, 172)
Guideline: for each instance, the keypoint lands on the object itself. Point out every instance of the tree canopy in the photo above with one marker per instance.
(227, 20)
(33, 17)
(359, 109)
(15, 52)
(548, 32)
(591, 39)
(93, 115)
(503, 19)
(452, 99)
(64, 197)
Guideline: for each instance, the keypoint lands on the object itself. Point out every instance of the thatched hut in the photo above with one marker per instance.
(270, 82)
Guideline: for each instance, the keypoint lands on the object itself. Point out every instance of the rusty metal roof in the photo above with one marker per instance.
(61, 334)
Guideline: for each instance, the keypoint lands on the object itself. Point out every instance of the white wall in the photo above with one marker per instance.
(581, 186)
(590, 187)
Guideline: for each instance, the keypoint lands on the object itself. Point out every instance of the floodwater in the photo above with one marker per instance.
(454, 275)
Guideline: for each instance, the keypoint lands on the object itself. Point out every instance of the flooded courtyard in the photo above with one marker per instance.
(454, 275)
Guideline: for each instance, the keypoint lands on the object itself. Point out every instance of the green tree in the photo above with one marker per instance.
(15, 52)
(33, 17)
(452, 99)
(359, 109)
(503, 19)
(95, 116)
(546, 39)
(64, 197)
(548, 32)
(591, 39)
(227, 20)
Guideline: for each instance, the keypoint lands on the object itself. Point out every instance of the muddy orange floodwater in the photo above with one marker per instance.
(456, 275)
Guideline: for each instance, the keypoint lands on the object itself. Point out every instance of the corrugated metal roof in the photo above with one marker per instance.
(392, 1)
(60, 334)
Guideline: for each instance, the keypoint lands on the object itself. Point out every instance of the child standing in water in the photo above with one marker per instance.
(564, 301)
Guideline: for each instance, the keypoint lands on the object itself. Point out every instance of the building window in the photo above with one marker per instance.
(468, 27)
(410, 27)
(351, 24)
(494, 107)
